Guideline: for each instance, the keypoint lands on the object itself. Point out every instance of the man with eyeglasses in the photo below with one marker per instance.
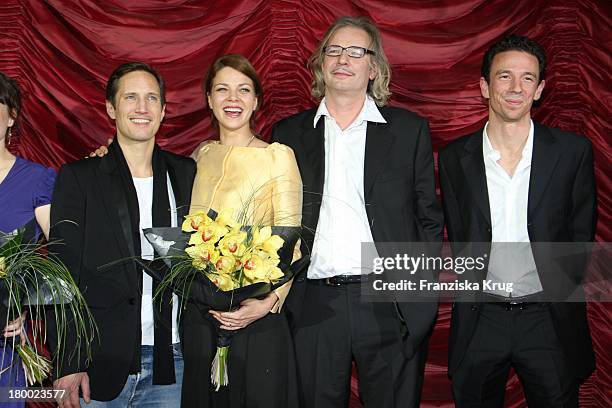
(368, 176)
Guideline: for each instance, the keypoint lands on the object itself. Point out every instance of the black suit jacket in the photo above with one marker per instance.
(561, 208)
(399, 189)
(91, 229)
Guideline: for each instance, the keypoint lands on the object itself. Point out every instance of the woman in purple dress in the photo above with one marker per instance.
(25, 193)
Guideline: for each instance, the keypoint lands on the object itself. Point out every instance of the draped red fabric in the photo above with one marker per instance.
(62, 52)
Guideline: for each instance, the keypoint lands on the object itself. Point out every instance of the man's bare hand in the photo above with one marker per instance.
(100, 151)
(71, 384)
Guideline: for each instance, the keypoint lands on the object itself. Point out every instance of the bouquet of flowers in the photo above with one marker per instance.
(30, 281)
(230, 261)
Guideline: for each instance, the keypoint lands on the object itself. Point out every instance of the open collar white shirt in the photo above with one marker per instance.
(144, 192)
(511, 256)
(343, 221)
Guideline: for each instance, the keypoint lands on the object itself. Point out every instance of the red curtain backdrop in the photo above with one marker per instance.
(62, 52)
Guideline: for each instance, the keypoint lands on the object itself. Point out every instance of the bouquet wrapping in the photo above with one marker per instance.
(218, 262)
(31, 281)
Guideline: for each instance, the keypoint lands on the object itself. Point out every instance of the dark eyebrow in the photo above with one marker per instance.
(507, 71)
(243, 84)
(132, 93)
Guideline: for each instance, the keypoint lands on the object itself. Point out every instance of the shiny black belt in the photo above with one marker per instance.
(509, 303)
(340, 280)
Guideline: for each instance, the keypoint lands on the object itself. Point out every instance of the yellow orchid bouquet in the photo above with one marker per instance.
(215, 261)
(231, 255)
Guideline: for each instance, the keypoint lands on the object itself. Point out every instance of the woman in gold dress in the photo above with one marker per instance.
(246, 174)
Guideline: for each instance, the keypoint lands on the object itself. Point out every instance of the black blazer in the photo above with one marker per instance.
(399, 188)
(562, 207)
(91, 227)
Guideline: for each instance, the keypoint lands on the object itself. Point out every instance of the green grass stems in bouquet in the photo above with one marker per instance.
(30, 282)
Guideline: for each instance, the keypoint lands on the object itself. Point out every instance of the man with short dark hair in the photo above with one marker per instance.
(517, 181)
(100, 206)
(368, 176)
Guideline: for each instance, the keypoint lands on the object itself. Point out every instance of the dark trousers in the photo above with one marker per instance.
(334, 328)
(525, 340)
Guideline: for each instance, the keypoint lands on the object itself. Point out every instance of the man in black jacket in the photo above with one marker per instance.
(368, 176)
(100, 206)
(521, 182)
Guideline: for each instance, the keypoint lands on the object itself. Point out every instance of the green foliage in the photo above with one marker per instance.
(32, 281)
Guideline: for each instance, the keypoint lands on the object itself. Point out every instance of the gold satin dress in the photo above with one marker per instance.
(263, 181)
(264, 186)
(261, 185)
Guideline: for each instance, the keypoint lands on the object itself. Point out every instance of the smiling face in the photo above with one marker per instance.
(512, 86)
(344, 74)
(137, 110)
(232, 99)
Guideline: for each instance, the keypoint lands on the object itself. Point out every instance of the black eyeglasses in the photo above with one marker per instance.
(352, 51)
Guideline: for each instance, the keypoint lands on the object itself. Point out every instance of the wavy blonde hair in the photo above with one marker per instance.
(378, 88)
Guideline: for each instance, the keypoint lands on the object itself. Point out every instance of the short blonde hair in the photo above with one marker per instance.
(378, 88)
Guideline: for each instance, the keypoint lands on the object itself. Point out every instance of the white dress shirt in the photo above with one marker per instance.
(511, 256)
(343, 222)
(144, 191)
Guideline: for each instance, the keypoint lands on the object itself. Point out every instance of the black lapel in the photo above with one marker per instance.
(378, 142)
(543, 162)
(180, 195)
(475, 176)
(113, 196)
(313, 146)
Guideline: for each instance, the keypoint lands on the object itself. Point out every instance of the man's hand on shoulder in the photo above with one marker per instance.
(100, 151)
(71, 384)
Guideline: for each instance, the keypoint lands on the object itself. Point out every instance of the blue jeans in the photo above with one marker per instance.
(139, 390)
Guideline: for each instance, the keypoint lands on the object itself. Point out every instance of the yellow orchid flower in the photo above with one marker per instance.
(272, 245)
(260, 235)
(225, 217)
(263, 238)
(254, 267)
(259, 268)
(194, 221)
(223, 281)
(208, 233)
(227, 264)
(203, 255)
(2, 267)
(274, 272)
(232, 244)
(259, 252)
